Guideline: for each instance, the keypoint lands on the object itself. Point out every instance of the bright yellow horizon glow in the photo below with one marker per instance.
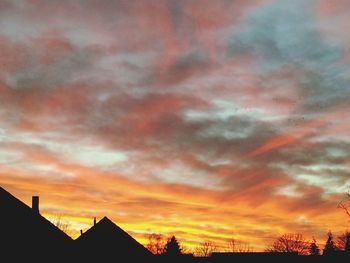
(232, 219)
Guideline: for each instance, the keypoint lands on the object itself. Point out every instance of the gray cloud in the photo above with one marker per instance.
(129, 73)
(36, 75)
(287, 33)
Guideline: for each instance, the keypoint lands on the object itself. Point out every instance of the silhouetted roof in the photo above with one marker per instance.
(106, 238)
(22, 229)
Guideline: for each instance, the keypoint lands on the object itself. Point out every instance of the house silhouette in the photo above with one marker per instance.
(105, 240)
(25, 234)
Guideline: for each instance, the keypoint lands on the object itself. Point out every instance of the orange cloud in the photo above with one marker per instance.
(121, 76)
(294, 135)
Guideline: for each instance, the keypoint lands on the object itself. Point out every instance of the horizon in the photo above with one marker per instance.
(207, 120)
(238, 246)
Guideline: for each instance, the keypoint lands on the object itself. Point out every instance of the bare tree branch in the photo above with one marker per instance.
(343, 206)
(63, 225)
(234, 245)
(290, 243)
(205, 249)
(156, 243)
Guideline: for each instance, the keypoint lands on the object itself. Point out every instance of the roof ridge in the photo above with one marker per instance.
(14, 201)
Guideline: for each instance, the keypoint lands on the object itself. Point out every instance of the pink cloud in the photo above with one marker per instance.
(122, 75)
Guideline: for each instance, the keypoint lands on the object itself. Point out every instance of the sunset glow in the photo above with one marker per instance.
(207, 120)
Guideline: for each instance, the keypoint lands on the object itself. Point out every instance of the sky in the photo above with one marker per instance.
(207, 120)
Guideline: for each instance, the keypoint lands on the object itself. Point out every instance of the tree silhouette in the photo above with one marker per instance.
(340, 243)
(347, 244)
(231, 245)
(344, 204)
(61, 224)
(234, 245)
(330, 247)
(314, 249)
(243, 247)
(205, 249)
(172, 247)
(156, 243)
(290, 243)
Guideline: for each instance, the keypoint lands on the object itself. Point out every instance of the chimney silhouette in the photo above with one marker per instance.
(35, 204)
(94, 220)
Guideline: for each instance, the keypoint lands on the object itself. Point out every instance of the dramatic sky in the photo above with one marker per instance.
(204, 119)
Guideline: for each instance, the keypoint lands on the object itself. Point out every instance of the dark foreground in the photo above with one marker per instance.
(27, 236)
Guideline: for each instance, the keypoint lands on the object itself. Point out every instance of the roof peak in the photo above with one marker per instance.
(105, 222)
(105, 219)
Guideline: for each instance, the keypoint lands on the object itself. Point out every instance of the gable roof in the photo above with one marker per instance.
(26, 229)
(106, 238)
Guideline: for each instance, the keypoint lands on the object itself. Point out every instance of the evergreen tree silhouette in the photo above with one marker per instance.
(329, 248)
(172, 247)
(314, 250)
